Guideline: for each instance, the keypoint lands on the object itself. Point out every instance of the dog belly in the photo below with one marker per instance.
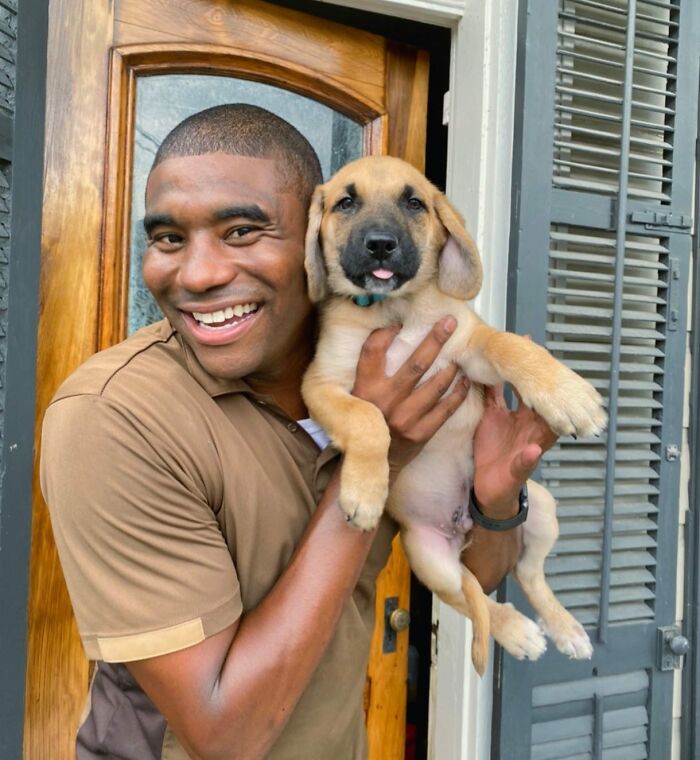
(433, 491)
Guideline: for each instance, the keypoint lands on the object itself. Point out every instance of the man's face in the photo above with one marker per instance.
(225, 262)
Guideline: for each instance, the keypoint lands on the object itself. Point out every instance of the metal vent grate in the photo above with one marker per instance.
(589, 97)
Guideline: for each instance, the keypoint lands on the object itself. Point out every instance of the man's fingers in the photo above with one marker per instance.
(442, 411)
(373, 355)
(424, 398)
(420, 361)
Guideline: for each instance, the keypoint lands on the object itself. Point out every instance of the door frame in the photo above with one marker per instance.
(20, 366)
(690, 683)
(478, 181)
(482, 82)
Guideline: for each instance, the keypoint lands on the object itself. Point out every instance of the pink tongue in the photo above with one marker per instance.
(383, 274)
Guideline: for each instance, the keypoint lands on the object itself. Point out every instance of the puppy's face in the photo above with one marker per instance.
(378, 226)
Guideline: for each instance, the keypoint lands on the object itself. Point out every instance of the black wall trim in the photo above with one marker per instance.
(23, 311)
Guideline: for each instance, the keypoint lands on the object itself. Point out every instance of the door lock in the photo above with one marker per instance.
(396, 619)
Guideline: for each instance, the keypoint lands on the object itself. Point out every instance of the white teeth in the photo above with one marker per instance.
(216, 317)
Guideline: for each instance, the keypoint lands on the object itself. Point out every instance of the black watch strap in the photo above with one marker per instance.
(490, 523)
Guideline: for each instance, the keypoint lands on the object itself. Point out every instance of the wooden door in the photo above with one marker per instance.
(100, 56)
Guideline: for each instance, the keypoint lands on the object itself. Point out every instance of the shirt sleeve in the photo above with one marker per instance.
(147, 567)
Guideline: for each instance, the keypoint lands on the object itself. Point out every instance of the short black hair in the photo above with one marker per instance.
(246, 130)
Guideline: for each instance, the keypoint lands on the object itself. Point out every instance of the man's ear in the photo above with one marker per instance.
(316, 277)
(459, 264)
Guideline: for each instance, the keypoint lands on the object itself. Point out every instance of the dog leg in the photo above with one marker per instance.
(435, 561)
(360, 431)
(539, 534)
(569, 404)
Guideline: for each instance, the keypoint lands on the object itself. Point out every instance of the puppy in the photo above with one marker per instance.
(384, 246)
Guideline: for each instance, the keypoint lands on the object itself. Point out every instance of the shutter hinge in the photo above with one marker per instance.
(662, 219)
(672, 452)
(671, 645)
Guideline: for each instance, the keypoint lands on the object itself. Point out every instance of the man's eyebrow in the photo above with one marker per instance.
(150, 221)
(252, 212)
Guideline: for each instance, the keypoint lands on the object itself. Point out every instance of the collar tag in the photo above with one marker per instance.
(367, 299)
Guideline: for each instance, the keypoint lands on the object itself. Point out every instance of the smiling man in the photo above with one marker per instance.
(227, 602)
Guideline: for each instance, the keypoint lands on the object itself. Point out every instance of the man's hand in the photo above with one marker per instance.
(507, 448)
(413, 414)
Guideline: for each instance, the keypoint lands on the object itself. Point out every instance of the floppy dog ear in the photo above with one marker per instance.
(459, 264)
(316, 276)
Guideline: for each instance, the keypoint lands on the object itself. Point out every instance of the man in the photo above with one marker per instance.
(195, 518)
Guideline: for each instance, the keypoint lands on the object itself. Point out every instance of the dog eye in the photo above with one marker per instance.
(415, 204)
(345, 203)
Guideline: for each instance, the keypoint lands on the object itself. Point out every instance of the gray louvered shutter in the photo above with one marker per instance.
(600, 250)
(8, 46)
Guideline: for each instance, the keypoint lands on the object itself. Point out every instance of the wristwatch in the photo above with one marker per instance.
(491, 523)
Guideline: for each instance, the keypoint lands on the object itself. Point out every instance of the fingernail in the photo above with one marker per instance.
(449, 324)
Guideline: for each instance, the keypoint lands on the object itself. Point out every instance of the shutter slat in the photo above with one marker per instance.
(571, 545)
(638, 351)
(601, 295)
(586, 490)
(572, 454)
(596, 312)
(577, 581)
(570, 509)
(569, 528)
(556, 328)
(583, 562)
(585, 688)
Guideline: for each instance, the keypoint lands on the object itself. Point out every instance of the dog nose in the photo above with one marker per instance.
(381, 244)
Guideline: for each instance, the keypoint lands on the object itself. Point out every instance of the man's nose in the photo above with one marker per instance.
(207, 264)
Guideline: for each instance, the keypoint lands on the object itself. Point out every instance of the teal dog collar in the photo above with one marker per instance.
(367, 299)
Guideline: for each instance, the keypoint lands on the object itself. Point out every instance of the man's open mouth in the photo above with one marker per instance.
(231, 315)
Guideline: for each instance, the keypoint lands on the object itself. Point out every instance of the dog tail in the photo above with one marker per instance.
(478, 612)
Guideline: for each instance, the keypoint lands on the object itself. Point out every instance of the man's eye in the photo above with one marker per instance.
(166, 240)
(345, 203)
(237, 233)
(415, 204)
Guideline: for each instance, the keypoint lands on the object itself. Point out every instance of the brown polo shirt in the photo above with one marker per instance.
(177, 500)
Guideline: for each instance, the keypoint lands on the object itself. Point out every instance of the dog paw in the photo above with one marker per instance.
(364, 487)
(572, 407)
(363, 504)
(517, 634)
(362, 514)
(569, 638)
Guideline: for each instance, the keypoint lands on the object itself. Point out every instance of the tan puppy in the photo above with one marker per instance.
(384, 246)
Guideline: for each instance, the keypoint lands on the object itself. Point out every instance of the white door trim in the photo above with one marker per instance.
(480, 140)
